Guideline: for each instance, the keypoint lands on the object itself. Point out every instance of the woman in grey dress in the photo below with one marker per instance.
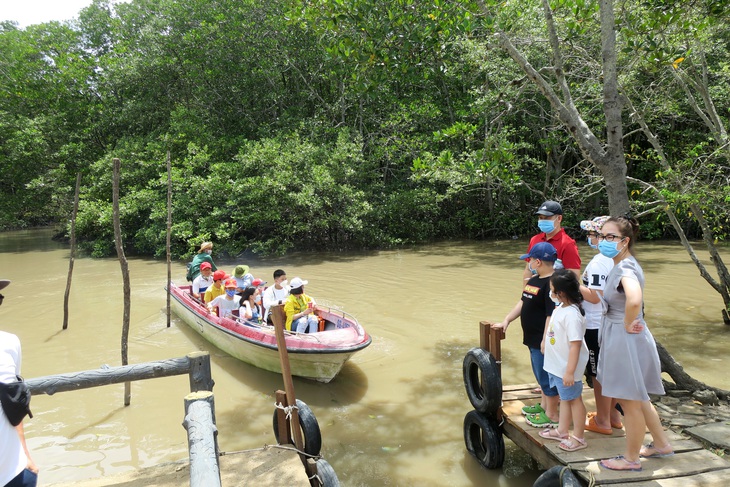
(628, 365)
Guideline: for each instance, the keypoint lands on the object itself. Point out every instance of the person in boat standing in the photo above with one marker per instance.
(550, 218)
(203, 255)
(203, 281)
(276, 294)
(299, 309)
(17, 469)
(226, 303)
(606, 416)
(534, 310)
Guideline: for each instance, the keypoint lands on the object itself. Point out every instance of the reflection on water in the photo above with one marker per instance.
(395, 413)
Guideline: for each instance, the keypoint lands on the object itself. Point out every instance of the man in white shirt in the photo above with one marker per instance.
(276, 294)
(16, 467)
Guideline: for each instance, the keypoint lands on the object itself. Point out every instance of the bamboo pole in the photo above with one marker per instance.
(169, 229)
(125, 274)
(277, 316)
(72, 257)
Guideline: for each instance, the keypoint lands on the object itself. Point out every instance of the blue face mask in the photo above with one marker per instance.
(546, 226)
(532, 271)
(591, 244)
(230, 292)
(609, 249)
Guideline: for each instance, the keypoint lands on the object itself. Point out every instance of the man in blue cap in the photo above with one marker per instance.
(534, 309)
(550, 218)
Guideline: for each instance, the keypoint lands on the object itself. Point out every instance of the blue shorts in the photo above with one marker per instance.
(26, 478)
(538, 359)
(566, 393)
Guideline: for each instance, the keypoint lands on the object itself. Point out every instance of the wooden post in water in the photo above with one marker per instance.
(490, 339)
(125, 273)
(202, 443)
(72, 257)
(277, 316)
(169, 227)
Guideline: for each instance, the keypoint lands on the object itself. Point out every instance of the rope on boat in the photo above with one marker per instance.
(287, 410)
(266, 447)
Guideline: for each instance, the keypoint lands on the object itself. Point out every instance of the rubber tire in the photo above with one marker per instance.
(483, 439)
(551, 478)
(482, 381)
(326, 474)
(310, 429)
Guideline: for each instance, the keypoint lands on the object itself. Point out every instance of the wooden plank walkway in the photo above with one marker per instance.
(691, 466)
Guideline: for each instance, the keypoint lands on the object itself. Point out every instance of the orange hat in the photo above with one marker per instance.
(231, 283)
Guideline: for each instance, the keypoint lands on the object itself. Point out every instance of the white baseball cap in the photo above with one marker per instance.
(297, 282)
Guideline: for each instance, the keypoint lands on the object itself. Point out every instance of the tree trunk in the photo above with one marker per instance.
(681, 378)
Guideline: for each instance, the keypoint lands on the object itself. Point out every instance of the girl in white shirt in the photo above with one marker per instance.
(566, 356)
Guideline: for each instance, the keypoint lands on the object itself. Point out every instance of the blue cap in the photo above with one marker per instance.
(543, 251)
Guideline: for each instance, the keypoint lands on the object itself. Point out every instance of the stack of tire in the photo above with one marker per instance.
(312, 443)
(482, 430)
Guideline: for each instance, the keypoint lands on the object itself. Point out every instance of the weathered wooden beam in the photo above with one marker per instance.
(72, 381)
(282, 425)
(200, 425)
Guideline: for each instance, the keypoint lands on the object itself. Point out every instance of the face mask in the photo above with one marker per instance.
(208, 251)
(609, 249)
(532, 271)
(284, 283)
(546, 226)
(257, 299)
(230, 292)
(591, 244)
(554, 299)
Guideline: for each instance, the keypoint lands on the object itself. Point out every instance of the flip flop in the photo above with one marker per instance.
(650, 451)
(552, 434)
(572, 444)
(620, 463)
(591, 425)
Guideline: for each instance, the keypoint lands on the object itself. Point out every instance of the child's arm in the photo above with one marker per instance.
(511, 316)
(544, 334)
(591, 295)
(573, 355)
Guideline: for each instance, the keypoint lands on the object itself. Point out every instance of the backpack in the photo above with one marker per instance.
(15, 400)
(189, 272)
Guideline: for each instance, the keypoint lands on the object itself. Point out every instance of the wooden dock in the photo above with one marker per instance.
(691, 466)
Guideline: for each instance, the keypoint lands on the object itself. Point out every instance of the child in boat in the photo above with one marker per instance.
(250, 309)
(216, 289)
(203, 281)
(299, 309)
(566, 356)
(226, 303)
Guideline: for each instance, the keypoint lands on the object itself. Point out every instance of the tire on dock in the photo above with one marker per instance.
(310, 429)
(557, 476)
(482, 381)
(483, 439)
(326, 474)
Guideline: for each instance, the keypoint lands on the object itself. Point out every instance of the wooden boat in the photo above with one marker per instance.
(318, 356)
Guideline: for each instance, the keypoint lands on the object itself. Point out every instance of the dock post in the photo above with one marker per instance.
(202, 439)
(281, 422)
(201, 378)
(490, 339)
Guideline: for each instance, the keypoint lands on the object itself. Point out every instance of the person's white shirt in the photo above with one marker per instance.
(272, 297)
(202, 282)
(12, 456)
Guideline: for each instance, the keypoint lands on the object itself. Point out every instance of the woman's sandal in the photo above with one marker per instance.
(552, 434)
(591, 425)
(573, 444)
(615, 425)
(620, 463)
(650, 451)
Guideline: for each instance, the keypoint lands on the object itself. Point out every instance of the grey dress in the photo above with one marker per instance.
(628, 364)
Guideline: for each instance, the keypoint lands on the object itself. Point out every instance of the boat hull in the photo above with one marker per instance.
(318, 356)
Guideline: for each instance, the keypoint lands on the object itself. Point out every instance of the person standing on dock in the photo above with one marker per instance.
(17, 469)
(534, 310)
(566, 356)
(628, 366)
(606, 416)
(550, 218)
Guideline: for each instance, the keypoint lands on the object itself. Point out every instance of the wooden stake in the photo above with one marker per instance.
(72, 257)
(277, 316)
(169, 229)
(125, 274)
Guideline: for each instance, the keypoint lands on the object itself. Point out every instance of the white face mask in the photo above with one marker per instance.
(208, 251)
(554, 299)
